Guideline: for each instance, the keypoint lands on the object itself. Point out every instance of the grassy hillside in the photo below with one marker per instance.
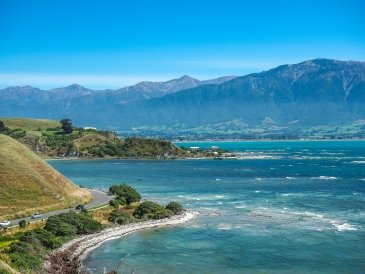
(47, 139)
(29, 124)
(29, 185)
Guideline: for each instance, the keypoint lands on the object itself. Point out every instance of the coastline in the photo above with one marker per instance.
(79, 248)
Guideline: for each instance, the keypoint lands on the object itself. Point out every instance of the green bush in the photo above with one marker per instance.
(20, 247)
(25, 261)
(97, 151)
(114, 203)
(121, 200)
(3, 271)
(151, 210)
(120, 217)
(60, 228)
(22, 223)
(46, 238)
(25, 255)
(175, 207)
(125, 192)
(70, 224)
(17, 133)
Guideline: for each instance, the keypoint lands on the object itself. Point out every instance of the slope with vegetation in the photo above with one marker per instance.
(28, 184)
(28, 250)
(50, 138)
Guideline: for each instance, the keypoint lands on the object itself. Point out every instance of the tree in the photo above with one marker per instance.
(22, 223)
(126, 192)
(2, 126)
(66, 125)
(151, 210)
(175, 207)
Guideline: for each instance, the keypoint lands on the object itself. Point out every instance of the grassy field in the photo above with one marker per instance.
(29, 124)
(28, 184)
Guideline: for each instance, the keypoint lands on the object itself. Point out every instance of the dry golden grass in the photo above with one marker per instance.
(28, 184)
(102, 214)
(11, 231)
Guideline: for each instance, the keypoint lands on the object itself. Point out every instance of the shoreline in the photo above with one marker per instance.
(79, 248)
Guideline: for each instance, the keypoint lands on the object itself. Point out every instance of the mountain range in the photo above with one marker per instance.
(321, 94)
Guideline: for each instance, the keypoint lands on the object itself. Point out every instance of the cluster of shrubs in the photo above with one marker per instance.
(125, 195)
(134, 147)
(110, 148)
(16, 133)
(55, 141)
(146, 211)
(28, 253)
(148, 147)
(151, 210)
(72, 224)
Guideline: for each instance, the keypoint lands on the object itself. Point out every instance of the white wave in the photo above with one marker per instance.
(358, 162)
(224, 227)
(258, 179)
(195, 226)
(332, 153)
(344, 227)
(316, 158)
(290, 178)
(193, 198)
(324, 178)
(259, 157)
(306, 220)
(362, 179)
(217, 179)
(213, 214)
(240, 206)
(288, 194)
(219, 196)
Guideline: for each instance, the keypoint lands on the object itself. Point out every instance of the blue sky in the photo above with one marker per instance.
(110, 44)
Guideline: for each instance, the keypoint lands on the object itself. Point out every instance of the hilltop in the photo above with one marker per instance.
(28, 184)
(47, 139)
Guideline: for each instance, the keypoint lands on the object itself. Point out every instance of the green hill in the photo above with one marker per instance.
(46, 138)
(28, 184)
(29, 124)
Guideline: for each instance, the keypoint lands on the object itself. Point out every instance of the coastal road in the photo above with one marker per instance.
(100, 198)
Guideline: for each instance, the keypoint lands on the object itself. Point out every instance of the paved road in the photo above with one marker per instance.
(100, 198)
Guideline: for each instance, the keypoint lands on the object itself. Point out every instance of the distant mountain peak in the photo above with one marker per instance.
(75, 86)
(184, 77)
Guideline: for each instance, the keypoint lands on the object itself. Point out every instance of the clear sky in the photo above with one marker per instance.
(110, 44)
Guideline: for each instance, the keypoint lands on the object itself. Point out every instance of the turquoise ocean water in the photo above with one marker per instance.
(284, 207)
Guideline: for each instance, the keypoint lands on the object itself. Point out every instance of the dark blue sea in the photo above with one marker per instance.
(281, 207)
